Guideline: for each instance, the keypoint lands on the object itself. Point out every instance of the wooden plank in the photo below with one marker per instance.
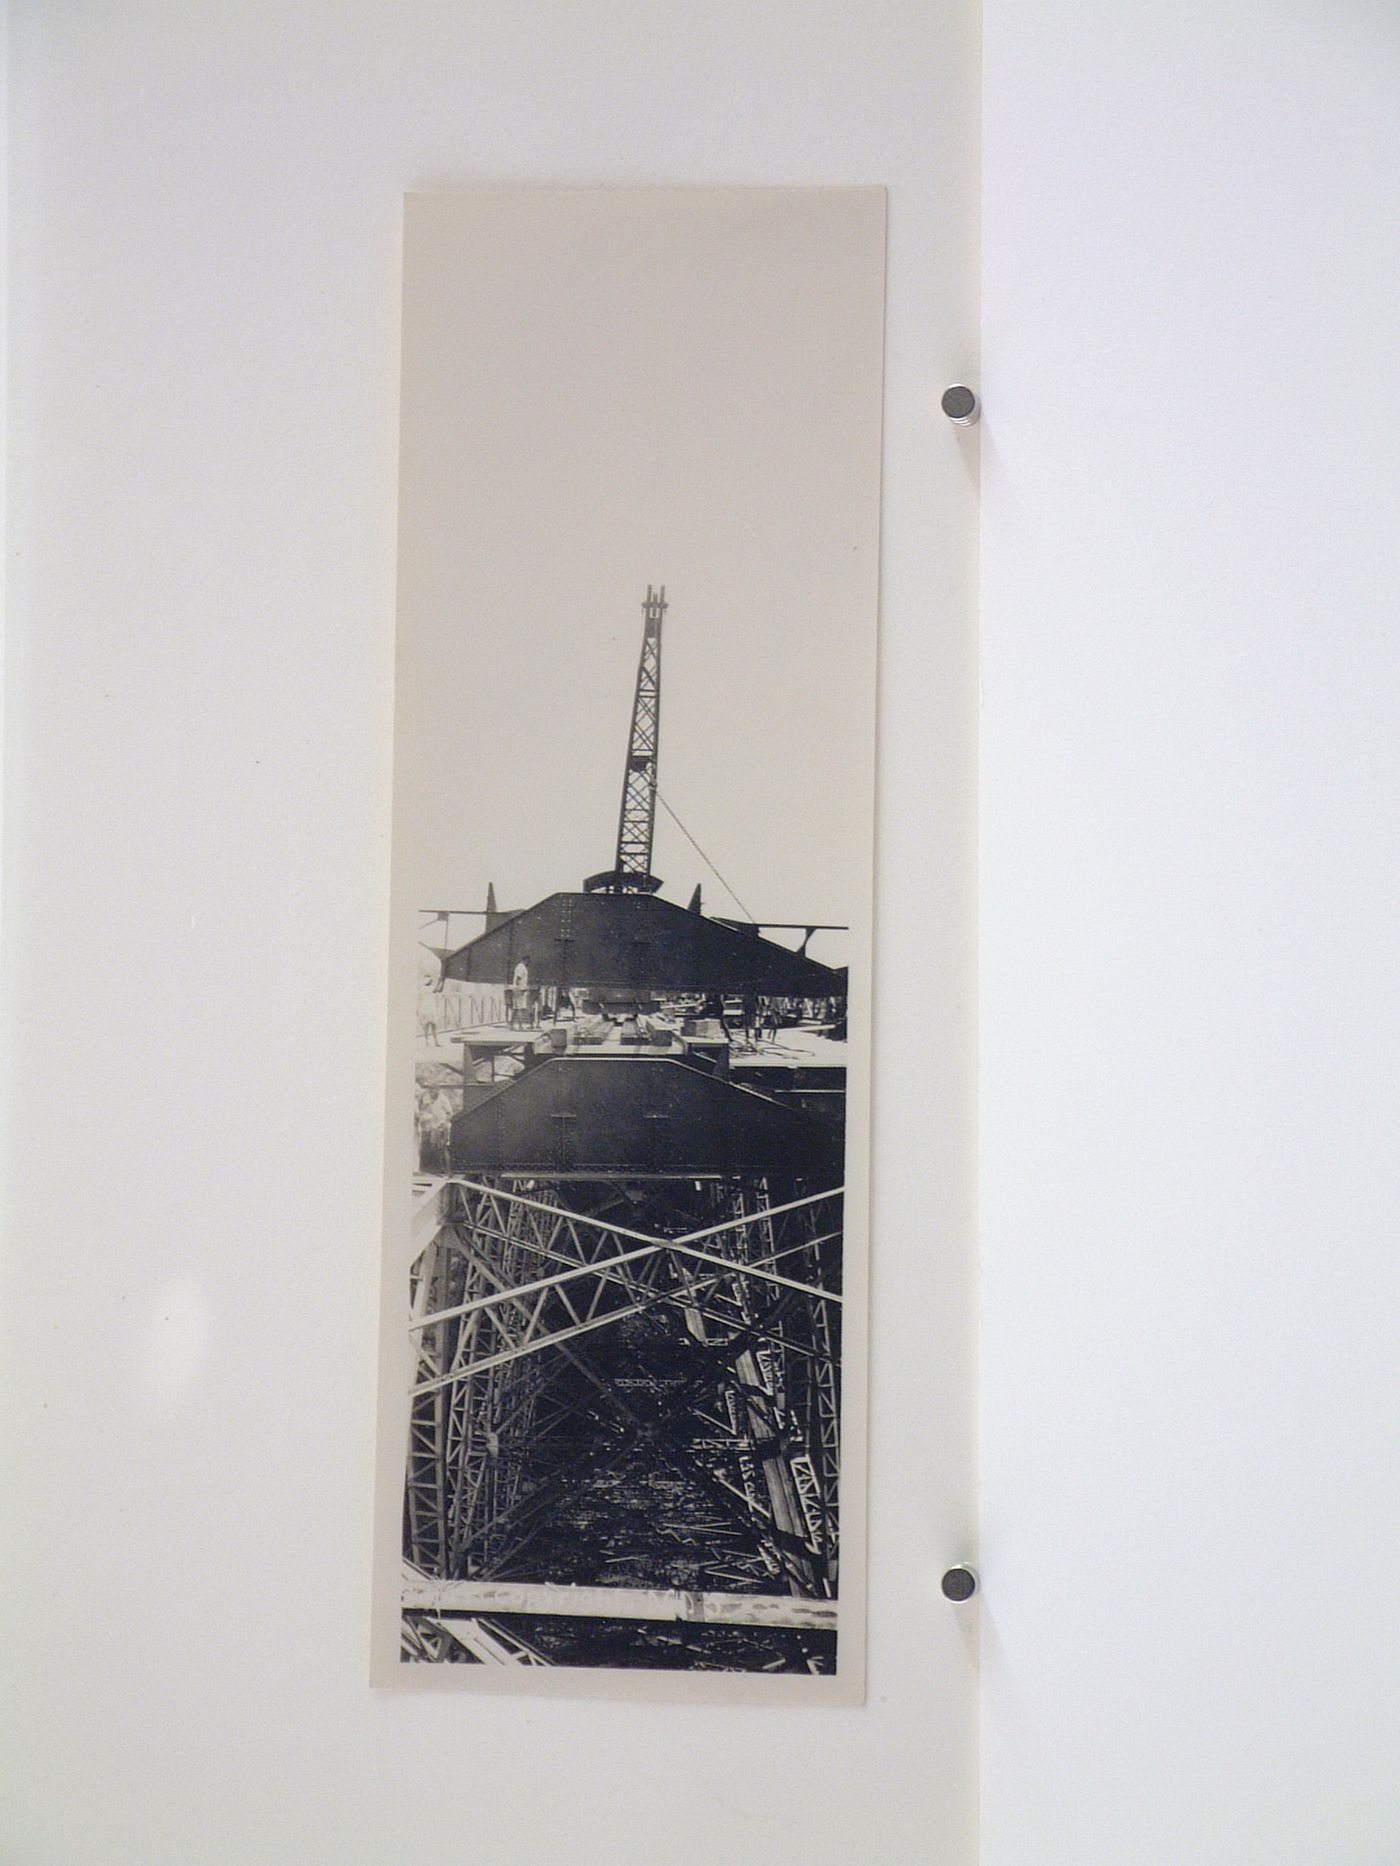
(422, 1593)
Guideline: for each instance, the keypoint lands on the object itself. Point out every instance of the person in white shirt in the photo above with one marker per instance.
(520, 993)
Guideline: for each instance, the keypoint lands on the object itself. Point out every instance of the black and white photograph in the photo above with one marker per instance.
(625, 1242)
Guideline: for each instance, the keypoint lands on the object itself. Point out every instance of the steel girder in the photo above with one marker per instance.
(514, 1289)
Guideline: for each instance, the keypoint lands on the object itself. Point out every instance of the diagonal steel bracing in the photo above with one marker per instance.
(511, 1289)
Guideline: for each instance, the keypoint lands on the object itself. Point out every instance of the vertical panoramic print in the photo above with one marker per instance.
(621, 1442)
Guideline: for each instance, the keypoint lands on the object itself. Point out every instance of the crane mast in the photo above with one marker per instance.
(631, 872)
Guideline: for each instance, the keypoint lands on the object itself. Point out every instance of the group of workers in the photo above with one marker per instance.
(527, 1006)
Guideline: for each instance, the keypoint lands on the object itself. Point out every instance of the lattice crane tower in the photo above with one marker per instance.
(631, 872)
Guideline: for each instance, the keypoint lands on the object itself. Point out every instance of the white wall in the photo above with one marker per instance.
(205, 227)
(1190, 1395)
(1190, 875)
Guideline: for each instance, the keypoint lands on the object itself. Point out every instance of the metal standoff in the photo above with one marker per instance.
(960, 1583)
(961, 406)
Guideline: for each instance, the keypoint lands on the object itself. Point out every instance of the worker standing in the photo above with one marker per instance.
(429, 1013)
(520, 994)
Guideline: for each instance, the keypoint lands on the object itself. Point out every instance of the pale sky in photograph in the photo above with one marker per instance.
(605, 389)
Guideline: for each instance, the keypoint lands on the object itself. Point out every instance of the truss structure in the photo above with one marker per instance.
(626, 1396)
(631, 870)
(637, 818)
